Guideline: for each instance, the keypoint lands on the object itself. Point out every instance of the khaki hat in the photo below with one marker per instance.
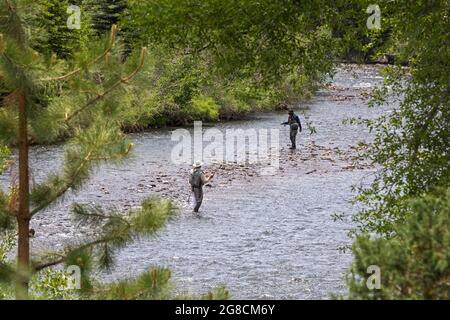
(197, 164)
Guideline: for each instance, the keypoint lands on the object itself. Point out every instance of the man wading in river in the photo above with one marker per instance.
(197, 180)
(295, 126)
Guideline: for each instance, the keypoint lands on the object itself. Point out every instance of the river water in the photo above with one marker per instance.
(261, 236)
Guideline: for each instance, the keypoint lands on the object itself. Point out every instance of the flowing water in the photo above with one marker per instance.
(260, 236)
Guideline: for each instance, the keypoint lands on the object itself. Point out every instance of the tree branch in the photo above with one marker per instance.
(63, 189)
(110, 89)
(41, 266)
(44, 265)
(76, 70)
(416, 139)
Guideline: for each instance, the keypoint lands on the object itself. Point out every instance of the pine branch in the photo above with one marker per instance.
(59, 194)
(119, 231)
(45, 265)
(100, 142)
(16, 29)
(95, 61)
(95, 215)
(62, 191)
(152, 284)
(89, 245)
(115, 157)
(15, 72)
(67, 75)
(71, 183)
(123, 80)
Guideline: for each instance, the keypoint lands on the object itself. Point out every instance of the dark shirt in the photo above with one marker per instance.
(203, 178)
(294, 119)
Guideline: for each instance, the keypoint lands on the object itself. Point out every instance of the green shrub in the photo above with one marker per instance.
(4, 156)
(204, 108)
(415, 263)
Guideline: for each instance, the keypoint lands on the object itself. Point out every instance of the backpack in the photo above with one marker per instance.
(195, 180)
(297, 119)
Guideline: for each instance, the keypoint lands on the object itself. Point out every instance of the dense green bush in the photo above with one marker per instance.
(4, 155)
(204, 108)
(415, 263)
(177, 89)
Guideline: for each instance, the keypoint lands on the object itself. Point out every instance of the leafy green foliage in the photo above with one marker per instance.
(82, 258)
(114, 231)
(4, 157)
(117, 230)
(105, 13)
(7, 239)
(52, 284)
(243, 37)
(415, 263)
(8, 126)
(405, 209)
(173, 78)
(180, 89)
(357, 42)
(240, 56)
(205, 108)
(7, 221)
(80, 103)
(151, 285)
(411, 143)
(7, 271)
(50, 33)
(222, 59)
(45, 285)
(81, 98)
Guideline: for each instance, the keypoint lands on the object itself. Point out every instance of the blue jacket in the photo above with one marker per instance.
(294, 118)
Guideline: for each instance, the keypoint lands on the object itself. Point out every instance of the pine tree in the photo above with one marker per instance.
(53, 35)
(80, 108)
(105, 13)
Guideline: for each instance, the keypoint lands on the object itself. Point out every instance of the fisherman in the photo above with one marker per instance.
(295, 126)
(197, 180)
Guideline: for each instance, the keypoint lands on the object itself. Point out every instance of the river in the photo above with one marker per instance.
(263, 237)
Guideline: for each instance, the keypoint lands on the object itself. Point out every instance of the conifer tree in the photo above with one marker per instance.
(80, 109)
(52, 32)
(105, 13)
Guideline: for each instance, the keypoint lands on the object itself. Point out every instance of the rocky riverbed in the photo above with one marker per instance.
(308, 159)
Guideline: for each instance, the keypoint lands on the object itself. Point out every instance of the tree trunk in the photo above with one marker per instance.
(23, 216)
